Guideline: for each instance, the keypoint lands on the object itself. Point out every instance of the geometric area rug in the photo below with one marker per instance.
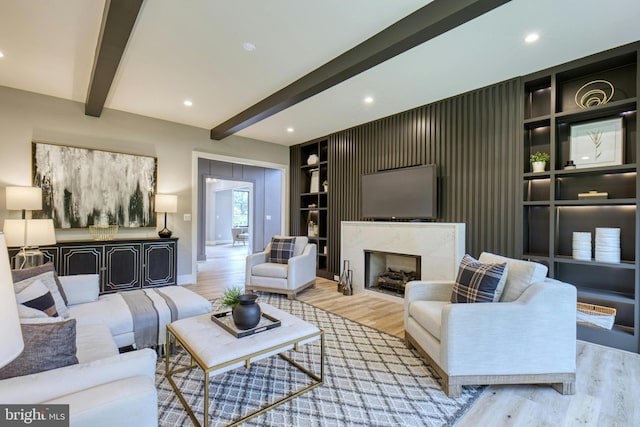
(370, 379)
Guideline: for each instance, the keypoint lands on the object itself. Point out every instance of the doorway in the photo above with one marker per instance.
(228, 218)
(261, 186)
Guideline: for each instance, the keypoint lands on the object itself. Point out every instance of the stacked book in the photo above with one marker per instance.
(608, 245)
(582, 245)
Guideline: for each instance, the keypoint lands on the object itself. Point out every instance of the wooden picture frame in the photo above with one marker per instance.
(597, 143)
(83, 186)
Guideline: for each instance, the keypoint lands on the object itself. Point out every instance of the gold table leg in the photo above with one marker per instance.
(319, 380)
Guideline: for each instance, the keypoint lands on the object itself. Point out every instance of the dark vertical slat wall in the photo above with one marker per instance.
(476, 141)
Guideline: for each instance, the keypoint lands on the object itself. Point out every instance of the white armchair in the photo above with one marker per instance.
(528, 337)
(290, 278)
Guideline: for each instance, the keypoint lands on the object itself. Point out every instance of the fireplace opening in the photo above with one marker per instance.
(389, 272)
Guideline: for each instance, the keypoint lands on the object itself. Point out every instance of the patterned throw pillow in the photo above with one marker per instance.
(281, 249)
(37, 296)
(477, 281)
(25, 312)
(46, 346)
(26, 273)
(48, 279)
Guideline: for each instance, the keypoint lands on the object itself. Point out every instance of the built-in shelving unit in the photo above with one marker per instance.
(313, 207)
(551, 208)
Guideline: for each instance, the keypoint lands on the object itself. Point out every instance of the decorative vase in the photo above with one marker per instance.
(348, 290)
(343, 277)
(312, 159)
(247, 313)
(326, 188)
(538, 166)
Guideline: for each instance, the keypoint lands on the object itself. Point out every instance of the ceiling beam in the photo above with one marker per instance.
(118, 20)
(426, 23)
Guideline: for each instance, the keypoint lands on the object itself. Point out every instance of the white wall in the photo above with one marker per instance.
(27, 117)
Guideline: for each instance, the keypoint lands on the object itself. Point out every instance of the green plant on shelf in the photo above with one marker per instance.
(539, 157)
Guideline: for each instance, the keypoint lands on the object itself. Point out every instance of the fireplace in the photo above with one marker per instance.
(440, 246)
(389, 272)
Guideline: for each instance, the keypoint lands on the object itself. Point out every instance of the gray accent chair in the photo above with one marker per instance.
(240, 234)
(528, 337)
(289, 279)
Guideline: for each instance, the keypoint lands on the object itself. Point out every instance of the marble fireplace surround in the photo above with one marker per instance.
(440, 245)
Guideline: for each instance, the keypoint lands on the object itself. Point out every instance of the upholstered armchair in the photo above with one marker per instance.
(528, 336)
(275, 270)
(240, 234)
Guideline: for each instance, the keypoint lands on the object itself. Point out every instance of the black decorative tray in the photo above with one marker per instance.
(224, 319)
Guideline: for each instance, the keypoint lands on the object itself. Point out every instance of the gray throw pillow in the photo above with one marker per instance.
(46, 346)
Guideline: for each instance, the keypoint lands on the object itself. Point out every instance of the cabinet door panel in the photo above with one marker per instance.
(159, 266)
(49, 254)
(81, 260)
(122, 267)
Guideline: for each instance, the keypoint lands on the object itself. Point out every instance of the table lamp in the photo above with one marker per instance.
(167, 203)
(10, 333)
(28, 234)
(24, 199)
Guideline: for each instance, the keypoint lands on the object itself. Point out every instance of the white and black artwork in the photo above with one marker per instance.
(83, 187)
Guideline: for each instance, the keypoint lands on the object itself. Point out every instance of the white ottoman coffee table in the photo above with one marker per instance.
(215, 351)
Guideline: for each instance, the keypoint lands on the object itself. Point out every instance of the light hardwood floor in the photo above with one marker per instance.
(608, 380)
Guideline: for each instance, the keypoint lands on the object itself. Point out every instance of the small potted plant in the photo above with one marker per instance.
(325, 184)
(539, 161)
(244, 309)
(230, 296)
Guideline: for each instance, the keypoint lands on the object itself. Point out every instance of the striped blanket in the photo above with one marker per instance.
(151, 310)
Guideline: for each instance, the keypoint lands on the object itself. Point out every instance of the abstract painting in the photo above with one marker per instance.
(83, 187)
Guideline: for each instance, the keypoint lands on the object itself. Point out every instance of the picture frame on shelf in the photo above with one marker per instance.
(597, 143)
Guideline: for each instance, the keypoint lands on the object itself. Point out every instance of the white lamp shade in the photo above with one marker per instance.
(27, 198)
(29, 232)
(10, 332)
(166, 203)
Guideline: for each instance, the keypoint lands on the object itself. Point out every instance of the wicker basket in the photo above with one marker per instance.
(103, 232)
(596, 315)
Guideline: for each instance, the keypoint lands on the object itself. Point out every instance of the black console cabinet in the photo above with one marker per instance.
(122, 264)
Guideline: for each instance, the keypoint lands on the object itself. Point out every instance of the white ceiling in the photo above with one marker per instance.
(192, 49)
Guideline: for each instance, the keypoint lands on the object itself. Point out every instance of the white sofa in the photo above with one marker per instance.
(104, 389)
(529, 336)
(113, 311)
(289, 279)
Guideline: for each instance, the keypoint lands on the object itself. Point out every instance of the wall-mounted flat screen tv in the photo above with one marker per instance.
(404, 193)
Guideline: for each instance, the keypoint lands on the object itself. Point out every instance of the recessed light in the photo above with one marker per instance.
(188, 103)
(368, 100)
(531, 38)
(248, 46)
(290, 130)
(1, 55)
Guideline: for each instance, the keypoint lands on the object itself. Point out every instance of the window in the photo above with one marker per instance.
(241, 208)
